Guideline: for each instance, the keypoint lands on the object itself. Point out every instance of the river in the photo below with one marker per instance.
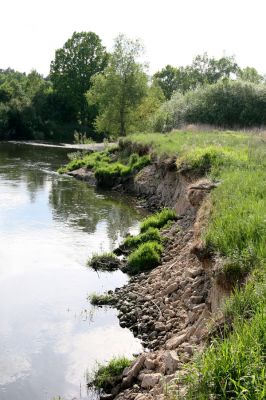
(50, 336)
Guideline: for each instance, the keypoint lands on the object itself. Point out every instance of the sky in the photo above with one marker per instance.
(172, 31)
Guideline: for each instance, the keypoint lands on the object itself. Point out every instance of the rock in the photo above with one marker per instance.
(106, 396)
(159, 326)
(133, 371)
(150, 380)
(196, 299)
(149, 363)
(175, 341)
(170, 361)
(171, 288)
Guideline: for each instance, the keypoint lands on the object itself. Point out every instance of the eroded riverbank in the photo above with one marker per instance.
(169, 307)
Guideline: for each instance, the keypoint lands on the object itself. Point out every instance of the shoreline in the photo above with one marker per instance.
(169, 307)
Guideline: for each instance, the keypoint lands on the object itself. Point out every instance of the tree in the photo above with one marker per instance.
(202, 71)
(250, 74)
(75, 63)
(120, 88)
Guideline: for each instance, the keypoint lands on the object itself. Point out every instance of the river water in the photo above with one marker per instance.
(50, 336)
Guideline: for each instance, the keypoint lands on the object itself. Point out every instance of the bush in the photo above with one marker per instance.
(104, 262)
(145, 257)
(152, 234)
(109, 375)
(226, 103)
(158, 220)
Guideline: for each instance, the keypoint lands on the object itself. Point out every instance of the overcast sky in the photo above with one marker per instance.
(173, 31)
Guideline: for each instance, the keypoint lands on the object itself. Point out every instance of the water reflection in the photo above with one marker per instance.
(50, 337)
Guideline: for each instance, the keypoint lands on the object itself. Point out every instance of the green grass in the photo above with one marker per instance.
(178, 143)
(104, 262)
(90, 161)
(145, 257)
(158, 220)
(234, 368)
(237, 226)
(106, 376)
(100, 299)
(151, 234)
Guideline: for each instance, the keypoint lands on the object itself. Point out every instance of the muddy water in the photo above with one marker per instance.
(50, 336)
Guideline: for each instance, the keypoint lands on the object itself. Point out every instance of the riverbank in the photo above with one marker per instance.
(172, 307)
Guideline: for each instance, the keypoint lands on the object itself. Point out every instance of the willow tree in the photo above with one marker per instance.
(119, 90)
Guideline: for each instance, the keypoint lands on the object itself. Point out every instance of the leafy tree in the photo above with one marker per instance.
(120, 88)
(75, 63)
(202, 71)
(250, 74)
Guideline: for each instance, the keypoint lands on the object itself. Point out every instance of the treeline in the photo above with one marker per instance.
(98, 94)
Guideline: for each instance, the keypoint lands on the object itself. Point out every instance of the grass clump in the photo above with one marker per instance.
(158, 220)
(107, 376)
(151, 234)
(145, 257)
(89, 161)
(101, 299)
(104, 262)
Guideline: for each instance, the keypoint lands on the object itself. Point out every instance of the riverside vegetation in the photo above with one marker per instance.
(233, 365)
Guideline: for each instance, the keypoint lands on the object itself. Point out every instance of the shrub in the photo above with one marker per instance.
(109, 375)
(145, 257)
(151, 234)
(158, 220)
(227, 103)
(104, 262)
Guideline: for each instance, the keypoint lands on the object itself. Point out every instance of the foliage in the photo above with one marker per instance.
(104, 262)
(203, 70)
(101, 299)
(226, 103)
(107, 375)
(151, 234)
(158, 220)
(120, 88)
(145, 257)
(250, 74)
(81, 57)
